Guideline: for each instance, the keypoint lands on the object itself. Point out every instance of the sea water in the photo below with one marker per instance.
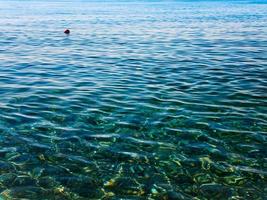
(142, 100)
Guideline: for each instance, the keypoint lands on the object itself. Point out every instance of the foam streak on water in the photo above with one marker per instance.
(143, 100)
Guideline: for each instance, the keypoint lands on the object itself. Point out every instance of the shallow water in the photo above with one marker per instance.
(143, 100)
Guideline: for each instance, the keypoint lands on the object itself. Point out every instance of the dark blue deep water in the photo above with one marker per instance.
(143, 100)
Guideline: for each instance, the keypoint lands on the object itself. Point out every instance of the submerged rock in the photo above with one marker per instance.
(215, 191)
(7, 180)
(6, 167)
(24, 193)
(172, 195)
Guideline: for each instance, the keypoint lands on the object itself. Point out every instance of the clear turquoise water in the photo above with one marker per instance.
(143, 100)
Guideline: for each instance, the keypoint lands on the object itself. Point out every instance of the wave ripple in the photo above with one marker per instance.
(143, 100)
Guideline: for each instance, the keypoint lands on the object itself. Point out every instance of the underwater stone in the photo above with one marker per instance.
(124, 185)
(47, 182)
(7, 179)
(203, 178)
(82, 185)
(37, 172)
(235, 180)
(154, 191)
(6, 167)
(24, 181)
(24, 193)
(215, 191)
(221, 169)
(183, 179)
(171, 195)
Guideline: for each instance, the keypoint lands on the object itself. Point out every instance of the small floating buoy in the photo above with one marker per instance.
(67, 31)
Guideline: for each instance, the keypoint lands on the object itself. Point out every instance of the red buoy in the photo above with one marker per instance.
(67, 31)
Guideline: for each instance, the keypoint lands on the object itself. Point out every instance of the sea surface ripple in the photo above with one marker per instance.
(143, 100)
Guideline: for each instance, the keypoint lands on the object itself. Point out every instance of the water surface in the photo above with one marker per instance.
(143, 100)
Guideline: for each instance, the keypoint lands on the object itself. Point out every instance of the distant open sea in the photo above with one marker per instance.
(152, 100)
